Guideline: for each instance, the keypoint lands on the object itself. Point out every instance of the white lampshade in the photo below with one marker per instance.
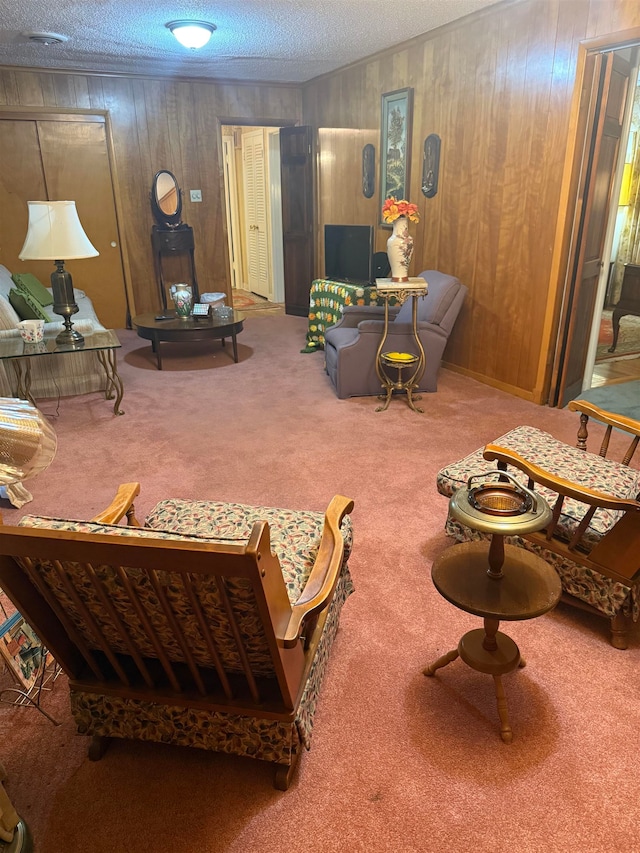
(192, 34)
(55, 233)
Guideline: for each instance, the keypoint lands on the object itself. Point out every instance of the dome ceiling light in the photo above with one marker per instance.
(191, 34)
(46, 38)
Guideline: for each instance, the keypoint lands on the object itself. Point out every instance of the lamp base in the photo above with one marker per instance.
(64, 303)
(69, 337)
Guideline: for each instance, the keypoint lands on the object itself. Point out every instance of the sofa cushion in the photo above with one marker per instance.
(423, 312)
(6, 282)
(26, 281)
(9, 318)
(26, 306)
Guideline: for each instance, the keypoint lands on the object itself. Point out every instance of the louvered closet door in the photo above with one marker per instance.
(256, 223)
(55, 159)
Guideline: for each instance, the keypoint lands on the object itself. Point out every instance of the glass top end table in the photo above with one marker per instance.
(103, 342)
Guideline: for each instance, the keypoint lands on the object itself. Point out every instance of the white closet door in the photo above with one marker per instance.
(256, 220)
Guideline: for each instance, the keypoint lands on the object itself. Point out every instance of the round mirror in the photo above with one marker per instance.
(166, 199)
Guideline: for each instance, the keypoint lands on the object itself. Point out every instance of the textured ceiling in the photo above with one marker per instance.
(276, 40)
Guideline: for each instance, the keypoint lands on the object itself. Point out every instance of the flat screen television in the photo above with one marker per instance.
(348, 253)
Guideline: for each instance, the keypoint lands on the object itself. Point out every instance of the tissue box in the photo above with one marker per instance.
(213, 299)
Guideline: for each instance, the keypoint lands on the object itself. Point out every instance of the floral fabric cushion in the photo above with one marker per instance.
(587, 469)
(295, 534)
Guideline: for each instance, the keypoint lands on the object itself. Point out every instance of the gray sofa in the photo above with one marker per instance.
(351, 345)
(52, 375)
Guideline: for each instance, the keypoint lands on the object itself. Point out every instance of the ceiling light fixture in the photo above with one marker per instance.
(191, 34)
(46, 38)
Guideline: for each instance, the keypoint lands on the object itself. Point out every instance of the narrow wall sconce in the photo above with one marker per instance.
(191, 34)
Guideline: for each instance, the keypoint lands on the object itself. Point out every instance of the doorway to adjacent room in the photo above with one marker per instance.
(617, 346)
(251, 158)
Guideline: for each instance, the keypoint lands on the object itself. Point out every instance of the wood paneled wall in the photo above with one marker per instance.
(339, 196)
(161, 124)
(497, 87)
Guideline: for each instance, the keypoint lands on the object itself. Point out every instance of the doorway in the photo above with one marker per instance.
(602, 108)
(251, 157)
(615, 344)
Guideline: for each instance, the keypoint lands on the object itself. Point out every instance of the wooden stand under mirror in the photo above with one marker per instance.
(170, 236)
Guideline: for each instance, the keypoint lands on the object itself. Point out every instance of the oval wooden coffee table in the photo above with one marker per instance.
(188, 330)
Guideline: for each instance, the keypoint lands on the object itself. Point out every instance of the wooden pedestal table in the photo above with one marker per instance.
(496, 583)
(397, 361)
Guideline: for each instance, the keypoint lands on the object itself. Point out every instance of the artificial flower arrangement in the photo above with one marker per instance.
(393, 209)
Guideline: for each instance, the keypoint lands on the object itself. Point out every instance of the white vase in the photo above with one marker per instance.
(400, 249)
(182, 295)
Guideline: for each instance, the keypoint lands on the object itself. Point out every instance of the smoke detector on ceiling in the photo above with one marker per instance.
(46, 38)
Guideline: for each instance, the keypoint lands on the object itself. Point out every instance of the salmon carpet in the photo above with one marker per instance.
(398, 762)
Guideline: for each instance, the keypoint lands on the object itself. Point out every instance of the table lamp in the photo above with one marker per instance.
(27, 446)
(55, 233)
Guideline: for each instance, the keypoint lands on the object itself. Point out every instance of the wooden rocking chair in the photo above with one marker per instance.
(190, 630)
(593, 540)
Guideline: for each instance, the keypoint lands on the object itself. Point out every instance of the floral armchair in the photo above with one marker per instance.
(211, 626)
(593, 540)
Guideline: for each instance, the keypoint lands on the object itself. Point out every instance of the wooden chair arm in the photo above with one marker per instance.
(325, 572)
(495, 453)
(610, 418)
(121, 505)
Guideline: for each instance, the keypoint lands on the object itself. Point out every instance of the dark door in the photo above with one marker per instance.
(297, 217)
(608, 99)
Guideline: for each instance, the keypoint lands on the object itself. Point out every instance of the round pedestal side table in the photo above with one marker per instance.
(501, 582)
